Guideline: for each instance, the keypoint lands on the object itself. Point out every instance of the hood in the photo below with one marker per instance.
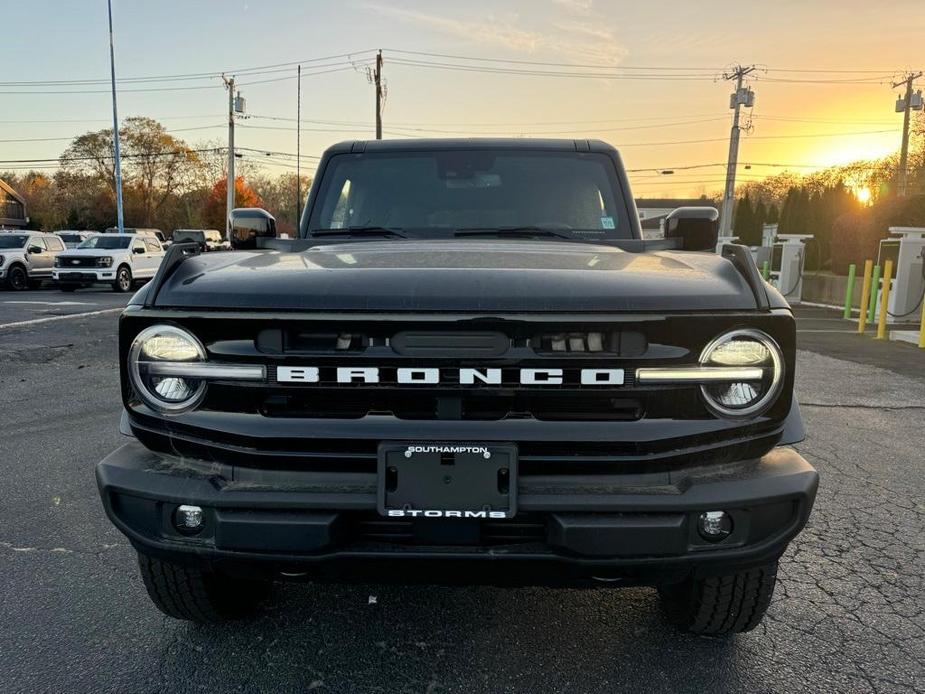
(72, 252)
(462, 276)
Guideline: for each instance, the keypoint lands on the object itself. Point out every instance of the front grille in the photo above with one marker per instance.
(559, 429)
(535, 458)
(422, 405)
(65, 262)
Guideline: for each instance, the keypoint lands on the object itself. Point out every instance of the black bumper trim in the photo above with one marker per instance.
(593, 523)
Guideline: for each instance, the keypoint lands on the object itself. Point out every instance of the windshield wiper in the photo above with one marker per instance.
(526, 231)
(361, 231)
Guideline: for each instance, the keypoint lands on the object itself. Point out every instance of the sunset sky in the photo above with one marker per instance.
(825, 68)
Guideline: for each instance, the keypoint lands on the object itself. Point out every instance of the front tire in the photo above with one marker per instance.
(17, 279)
(123, 281)
(721, 605)
(198, 596)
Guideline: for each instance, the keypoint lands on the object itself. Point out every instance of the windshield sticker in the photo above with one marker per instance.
(607, 223)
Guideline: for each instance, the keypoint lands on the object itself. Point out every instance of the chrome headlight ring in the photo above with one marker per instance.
(772, 361)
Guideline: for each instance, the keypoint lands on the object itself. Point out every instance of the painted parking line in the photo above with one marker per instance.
(54, 303)
(809, 330)
(36, 321)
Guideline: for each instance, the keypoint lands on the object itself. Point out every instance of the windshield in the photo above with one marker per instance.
(107, 242)
(13, 240)
(180, 236)
(439, 193)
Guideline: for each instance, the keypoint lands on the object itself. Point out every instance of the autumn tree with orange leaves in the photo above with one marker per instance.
(213, 213)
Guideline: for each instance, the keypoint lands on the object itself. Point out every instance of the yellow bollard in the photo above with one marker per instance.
(865, 294)
(885, 299)
(922, 329)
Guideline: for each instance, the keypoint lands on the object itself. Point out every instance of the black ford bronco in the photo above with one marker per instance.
(469, 367)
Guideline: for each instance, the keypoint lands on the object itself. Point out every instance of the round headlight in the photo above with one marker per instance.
(746, 349)
(155, 346)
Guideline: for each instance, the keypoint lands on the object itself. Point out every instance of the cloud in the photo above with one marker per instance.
(498, 31)
(579, 6)
(572, 40)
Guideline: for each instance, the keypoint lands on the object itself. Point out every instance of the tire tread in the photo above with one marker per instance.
(190, 594)
(722, 605)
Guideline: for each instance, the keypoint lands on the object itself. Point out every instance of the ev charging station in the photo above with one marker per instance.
(789, 275)
(908, 287)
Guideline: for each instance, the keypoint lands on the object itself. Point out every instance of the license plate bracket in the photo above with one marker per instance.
(447, 480)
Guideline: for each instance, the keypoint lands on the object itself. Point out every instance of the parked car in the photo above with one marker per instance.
(73, 237)
(119, 260)
(208, 239)
(26, 258)
(470, 367)
(157, 233)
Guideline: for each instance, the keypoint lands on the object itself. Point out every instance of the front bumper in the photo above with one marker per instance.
(637, 528)
(84, 275)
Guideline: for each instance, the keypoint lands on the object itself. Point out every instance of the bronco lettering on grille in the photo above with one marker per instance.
(344, 375)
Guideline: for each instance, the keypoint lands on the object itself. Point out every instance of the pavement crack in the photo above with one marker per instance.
(16, 549)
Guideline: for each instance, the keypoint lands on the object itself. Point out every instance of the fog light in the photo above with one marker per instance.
(188, 519)
(714, 525)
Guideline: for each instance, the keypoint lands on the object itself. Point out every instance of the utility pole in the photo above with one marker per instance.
(120, 220)
(906, 104)
(377, 80)
(229, 178)
(743, 96)
(298, 147)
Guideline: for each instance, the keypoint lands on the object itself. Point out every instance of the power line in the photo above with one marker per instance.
(520, 124)
(60, 139)
(192, 75)
(99, 120)
(168, 153)
(618, 66)
(550, 73)
(345, 67)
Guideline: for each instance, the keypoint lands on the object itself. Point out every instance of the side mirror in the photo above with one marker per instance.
(34, 249)
(138, 250)
(696, 227)
(248, 224)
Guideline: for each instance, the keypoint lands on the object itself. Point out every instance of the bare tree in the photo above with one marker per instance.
(155, 164)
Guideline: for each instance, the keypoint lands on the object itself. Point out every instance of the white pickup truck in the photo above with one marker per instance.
(119, 260)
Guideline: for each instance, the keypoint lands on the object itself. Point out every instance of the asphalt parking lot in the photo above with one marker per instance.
(848, 616)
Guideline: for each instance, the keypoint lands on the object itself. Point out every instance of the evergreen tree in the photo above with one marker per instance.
(761, 215)
(787, 213)
(743, 218)
(773, 216)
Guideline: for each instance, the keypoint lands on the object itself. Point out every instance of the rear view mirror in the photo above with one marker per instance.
(696, 227)
(249, 224)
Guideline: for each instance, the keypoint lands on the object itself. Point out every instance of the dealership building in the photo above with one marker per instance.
(12, 208)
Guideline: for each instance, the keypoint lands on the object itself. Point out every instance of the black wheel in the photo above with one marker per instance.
(186, 593)
(16, 278)
(721, 605)
(123, 281)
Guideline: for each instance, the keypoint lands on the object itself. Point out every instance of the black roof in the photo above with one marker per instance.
(425, 144)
